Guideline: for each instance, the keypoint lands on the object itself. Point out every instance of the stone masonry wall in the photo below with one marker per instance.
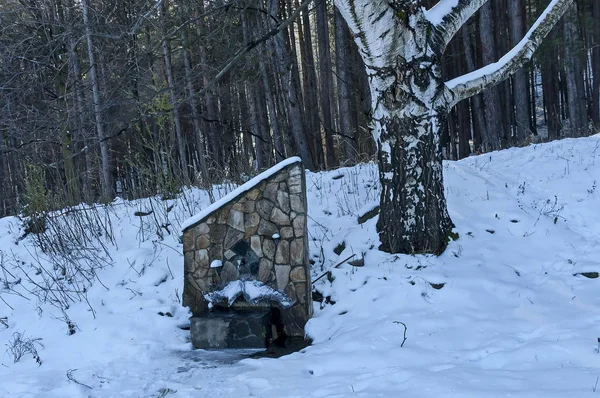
(259, 235)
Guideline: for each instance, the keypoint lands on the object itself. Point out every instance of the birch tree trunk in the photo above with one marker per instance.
(106, 180)
(401, 45)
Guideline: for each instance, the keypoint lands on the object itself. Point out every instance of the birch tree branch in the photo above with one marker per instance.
(475, 82)
(447, 17)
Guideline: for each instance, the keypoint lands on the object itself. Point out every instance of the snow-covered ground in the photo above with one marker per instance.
(503, 312)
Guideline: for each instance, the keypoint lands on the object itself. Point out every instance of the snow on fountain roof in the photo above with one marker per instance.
(238, 191)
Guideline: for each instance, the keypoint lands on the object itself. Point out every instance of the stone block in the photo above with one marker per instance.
(251, 220)
(297, 251)
(295, 171)
(228, 272)
(229, 254)
(188, 262)
(282, 176)
(202, 229)
(300, 289)
(298, 274)
(268, 248)
(279, 217)
(188, 241)
(290, 291)
(249, 206)
(202, 242)
(255, 245)
(282, 274)
(295, 184)
(266, 228)
(200, 273)
(270, 191)
(286, 232)
(201, 259)
(264, 270)
(264, 208)
(282, 254)
(232, 237)
(217, 233)
(253, 194)
(215, 252)
(297, 204)
(299, 226)
(236, 219)
(223, 214)
(283, 201)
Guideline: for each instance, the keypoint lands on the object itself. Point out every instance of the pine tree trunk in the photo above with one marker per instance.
(262, 160)
(596, 64)
(6, 204)
(106, 180)
(550, 87)
(325, 80)
(520, 92)
(181, 145)
(477, 111)
(309, 80)
(502, 45)
(343, 85)
(191, 91)
(574, 74)
(274, 121)
(285, 70)
(490, 137)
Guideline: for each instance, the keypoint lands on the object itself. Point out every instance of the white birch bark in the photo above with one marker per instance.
(401, 45)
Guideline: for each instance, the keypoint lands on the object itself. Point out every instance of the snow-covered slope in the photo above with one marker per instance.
(504, 311)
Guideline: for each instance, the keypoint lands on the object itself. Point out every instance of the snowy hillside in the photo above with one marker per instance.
(510, 309)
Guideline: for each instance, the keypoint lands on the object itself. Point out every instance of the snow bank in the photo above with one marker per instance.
(505, 311)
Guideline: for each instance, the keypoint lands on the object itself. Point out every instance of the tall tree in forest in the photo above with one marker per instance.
(574, 67)
(596, 63)
(520, 93)
(343, 87)
(106, 180)
(491, 133)
(401, 44)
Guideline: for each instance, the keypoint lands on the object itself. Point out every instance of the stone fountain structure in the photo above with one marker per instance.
(247, 272)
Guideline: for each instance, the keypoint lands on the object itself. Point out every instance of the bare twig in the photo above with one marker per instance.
(405, 330)
(71, 378)
(335, 266)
